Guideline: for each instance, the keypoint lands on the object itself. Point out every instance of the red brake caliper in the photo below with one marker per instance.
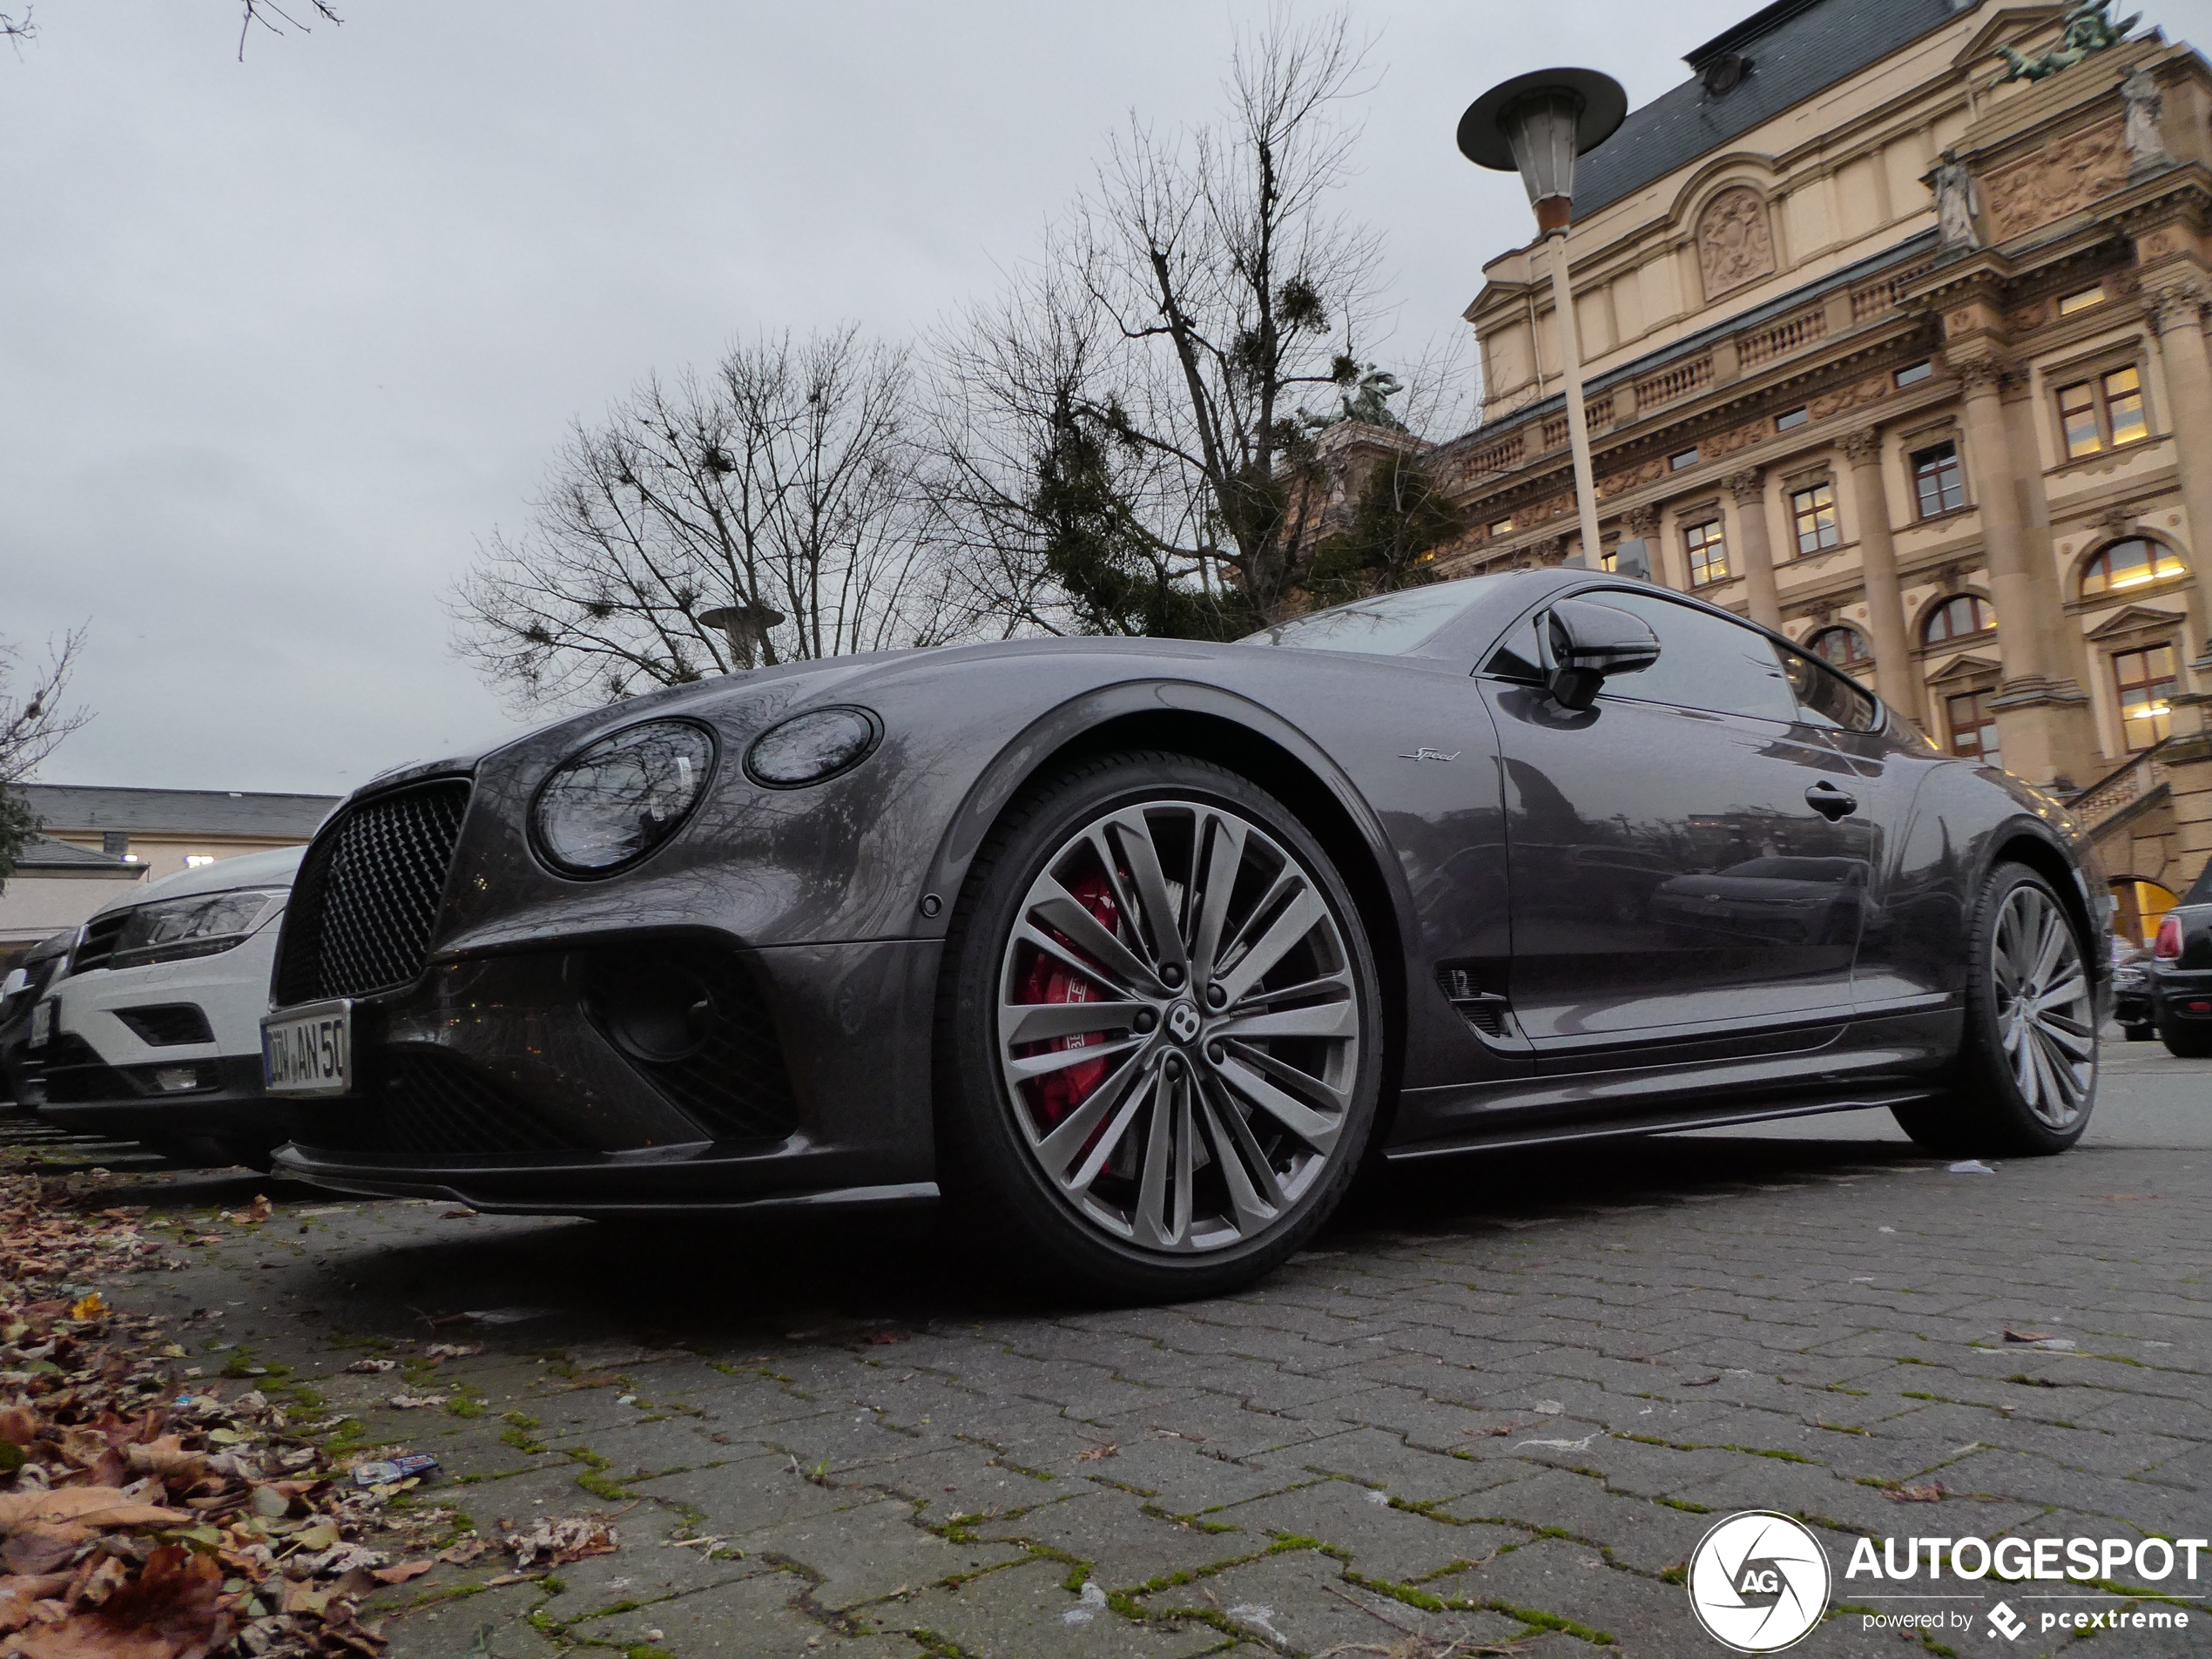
(1057, 1094)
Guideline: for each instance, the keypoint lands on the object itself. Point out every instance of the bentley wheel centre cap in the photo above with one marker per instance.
(1183, 1022)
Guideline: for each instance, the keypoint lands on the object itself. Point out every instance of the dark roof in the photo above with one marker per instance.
(45, 853)
(187, 811)
(1795, 49)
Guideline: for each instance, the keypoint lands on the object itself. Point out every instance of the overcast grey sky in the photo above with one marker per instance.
(283, 337)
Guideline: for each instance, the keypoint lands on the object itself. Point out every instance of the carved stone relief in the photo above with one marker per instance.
(1872, 389)
(2059, 178)
(1735, 241)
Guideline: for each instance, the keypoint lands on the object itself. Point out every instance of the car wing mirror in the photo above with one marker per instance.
(1585, 645)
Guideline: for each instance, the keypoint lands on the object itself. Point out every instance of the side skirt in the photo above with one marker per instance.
(1653, 1123)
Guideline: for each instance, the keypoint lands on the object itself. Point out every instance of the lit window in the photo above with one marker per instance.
(2123, 390)
(2145, 681)
(1503, 526)
(1707, 553)
(1686, 458)
(2130, 563)
(1844, 648)
(2081, 302)
(1941, 487)
(1959, 618)
(193, 860)
(1798, 417)
(2104, 412)
(1610, 558)
(1814, 512)
(1973, 729)
(1915, 374)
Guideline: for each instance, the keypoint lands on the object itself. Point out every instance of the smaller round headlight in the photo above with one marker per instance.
(612, 803)
(812, 747)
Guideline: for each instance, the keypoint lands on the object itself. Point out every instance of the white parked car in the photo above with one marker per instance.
(155, 1035)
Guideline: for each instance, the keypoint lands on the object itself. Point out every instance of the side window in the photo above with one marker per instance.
(1826, 698)
(1705, 662)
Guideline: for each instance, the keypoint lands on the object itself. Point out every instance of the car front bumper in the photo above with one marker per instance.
(518, 1082)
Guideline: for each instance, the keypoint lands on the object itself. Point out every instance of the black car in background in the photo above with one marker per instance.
(2180, 969)
(1136, 950)
(20, 989)
(2131, 998)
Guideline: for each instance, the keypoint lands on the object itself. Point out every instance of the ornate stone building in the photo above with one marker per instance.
(1911, 365)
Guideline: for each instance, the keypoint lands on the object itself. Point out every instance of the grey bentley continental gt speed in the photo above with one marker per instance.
(1136, 950)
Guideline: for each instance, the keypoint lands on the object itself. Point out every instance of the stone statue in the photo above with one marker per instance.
(1955, 201)
(1367, 405)
(2083, 31)
(2146, 149)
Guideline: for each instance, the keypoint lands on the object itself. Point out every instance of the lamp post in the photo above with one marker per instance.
(744, 626)
(1537, 125)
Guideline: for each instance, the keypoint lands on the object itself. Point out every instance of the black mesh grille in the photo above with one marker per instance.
(368, 894)
(167, 1024)
(421, 1102)
(734, 1081)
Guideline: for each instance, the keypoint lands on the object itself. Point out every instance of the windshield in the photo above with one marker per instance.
(1390, 624)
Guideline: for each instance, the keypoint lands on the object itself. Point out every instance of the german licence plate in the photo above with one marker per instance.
(309, 1050)
(42, 1024)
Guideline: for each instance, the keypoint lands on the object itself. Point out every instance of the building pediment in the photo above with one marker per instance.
(2005, 27)
(1965, 667)
(2136, 619)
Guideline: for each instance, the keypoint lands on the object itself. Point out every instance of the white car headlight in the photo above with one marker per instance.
(172, 929)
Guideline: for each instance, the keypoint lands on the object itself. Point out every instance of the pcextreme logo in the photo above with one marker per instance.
(1758, 1581)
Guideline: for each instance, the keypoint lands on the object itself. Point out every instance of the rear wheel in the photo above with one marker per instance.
(2027, 1074)
(1159, 1039)
(2186, 1041)
(2137, 1033)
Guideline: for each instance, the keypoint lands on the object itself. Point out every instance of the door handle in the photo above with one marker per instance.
(1829, 801)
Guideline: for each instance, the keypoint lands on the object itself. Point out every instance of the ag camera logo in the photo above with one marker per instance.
(1758, 1581)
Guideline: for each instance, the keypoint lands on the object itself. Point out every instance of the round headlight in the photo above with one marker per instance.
(809, 747)
(610, 804)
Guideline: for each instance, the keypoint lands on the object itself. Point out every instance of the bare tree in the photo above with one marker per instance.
(1163, 343)
(779, 486)
(32, 724)
(271, 16)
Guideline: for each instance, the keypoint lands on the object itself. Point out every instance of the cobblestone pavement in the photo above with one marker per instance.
(1498, 1405)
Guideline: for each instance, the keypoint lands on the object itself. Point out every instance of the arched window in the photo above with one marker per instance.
(1839, 647)
(1959, 618)
(2129, 564)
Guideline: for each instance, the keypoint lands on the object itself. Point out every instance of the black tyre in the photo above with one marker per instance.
(2026, 1078)
(1159, 1033)
(2186, 1041)
(2138, 1032)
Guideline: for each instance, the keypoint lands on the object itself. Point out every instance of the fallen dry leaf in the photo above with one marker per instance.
(559, 1540)
(414, 1402)
(261, 1210)
(372, 1367)
(1928, 1492)
(466, 1551)
(401, 1572)
(1098, 1452)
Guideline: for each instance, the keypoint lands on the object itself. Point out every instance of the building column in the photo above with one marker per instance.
(2043, 719)
(2177, 313)
(1896, 675)
(1749, 486)
(2177, 316)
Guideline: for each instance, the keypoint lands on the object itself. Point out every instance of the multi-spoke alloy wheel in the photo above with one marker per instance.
(2044, 1011)
(2026, 1078)
(1181, 1015)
